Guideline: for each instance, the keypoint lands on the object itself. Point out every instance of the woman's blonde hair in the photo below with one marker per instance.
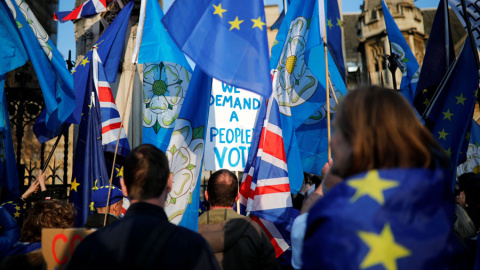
(384, 132)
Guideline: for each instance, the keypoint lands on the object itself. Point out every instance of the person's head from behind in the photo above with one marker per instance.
(146, 175)
(376, 128)
(222, 189)
(47, 214)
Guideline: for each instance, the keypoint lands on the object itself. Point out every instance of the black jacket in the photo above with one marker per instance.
(125, 244)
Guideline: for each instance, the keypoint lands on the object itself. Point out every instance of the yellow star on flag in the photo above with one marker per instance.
(235, 24)
(383, 250)
(448, 115)
(424, 91)
(258, 23)
(16, 214)
(467, 136)
(91, 207)
(371, 185)
(426, 101)
(218, 10)
(329, 23)
(442, 134)
(448, 152)
(74, 185)
(17, 208)
(73, 71)
(84, 61)
(461, 99)
(95, 185)
(339, 22)
(119, 172)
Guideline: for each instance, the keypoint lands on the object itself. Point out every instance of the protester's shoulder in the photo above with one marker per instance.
(194, 238)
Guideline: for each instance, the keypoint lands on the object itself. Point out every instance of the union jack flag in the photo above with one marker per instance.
(110, 117)
(86, 9)
(265, 190)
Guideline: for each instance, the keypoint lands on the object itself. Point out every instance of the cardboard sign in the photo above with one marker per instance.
(58, 246)
(231, 120)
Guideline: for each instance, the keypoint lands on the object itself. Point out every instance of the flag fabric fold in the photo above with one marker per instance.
(439, 55)
(89, 169)
(450, 118)
(265, 188)
(50, 67)
(473, 10)
(404, 57)
(9, 182)
(109, 47)
(109, 115)
(472, 162)
(185, 153)
(298, 58)
(335, 35)
(166, 76)
(157, 44)
(87, 9)
(385, 219)
(227, 40)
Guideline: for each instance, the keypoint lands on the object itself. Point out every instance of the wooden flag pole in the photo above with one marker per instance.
(327, 80)
(45, 165)
(127, 98)
(333, 92)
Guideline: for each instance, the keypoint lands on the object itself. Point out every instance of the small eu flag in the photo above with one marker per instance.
(226, 38)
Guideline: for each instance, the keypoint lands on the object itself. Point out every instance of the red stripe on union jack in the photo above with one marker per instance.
(111, 121)
(265, 190)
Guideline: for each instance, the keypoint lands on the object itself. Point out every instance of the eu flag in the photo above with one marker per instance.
(439, 55)
(451, 116)
(52, 73)
(89, 168)
(403, 56)
(226, 38)
(385, 219)
(9, 183)
(110, 48)
(185, 153)
(334, 35)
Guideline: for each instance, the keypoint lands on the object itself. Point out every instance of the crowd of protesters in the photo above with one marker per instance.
(378, 144)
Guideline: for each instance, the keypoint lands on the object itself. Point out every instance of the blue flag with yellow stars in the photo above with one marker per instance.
(450, 117)
(334, 35)
(439, 55)
(404, 57)
(89, 167)
(226, 38)
(385, 219)
(109, 47)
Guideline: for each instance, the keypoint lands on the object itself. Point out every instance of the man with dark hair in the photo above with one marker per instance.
(238, 242)
(144, 238)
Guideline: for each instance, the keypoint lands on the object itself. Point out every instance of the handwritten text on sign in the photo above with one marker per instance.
(230, 127)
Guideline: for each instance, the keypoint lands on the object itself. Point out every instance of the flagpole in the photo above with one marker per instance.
(333, 92)
(45, 165)
(327, 77)
(132, 78)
